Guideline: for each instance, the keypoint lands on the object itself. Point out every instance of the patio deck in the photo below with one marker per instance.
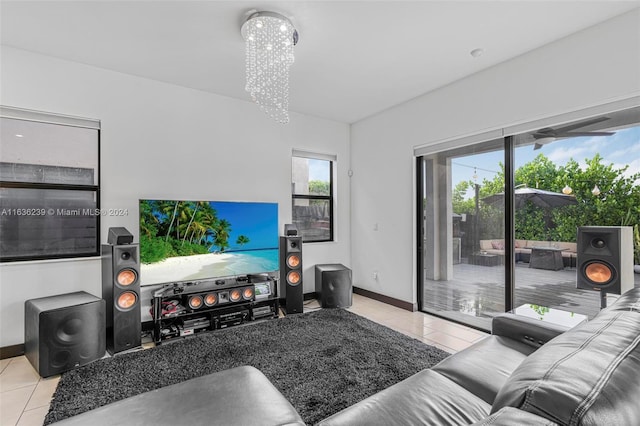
(476, 294)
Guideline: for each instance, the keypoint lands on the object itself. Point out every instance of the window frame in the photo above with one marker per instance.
(62, 120)
(328, 198)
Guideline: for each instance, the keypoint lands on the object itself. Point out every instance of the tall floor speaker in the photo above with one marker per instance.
(121, 292)
(291, 273)
(605, 258)
(63, 332)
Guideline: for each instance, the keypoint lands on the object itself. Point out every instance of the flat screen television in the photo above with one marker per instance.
(197, 240)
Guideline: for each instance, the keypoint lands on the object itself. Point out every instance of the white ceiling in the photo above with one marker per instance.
(354, 58)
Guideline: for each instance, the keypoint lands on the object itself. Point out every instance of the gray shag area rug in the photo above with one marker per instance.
(321, 361)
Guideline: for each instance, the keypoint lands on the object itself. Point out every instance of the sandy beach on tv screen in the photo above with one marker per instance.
(183, 268)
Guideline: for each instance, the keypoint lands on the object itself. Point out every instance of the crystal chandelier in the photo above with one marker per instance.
(270, 38)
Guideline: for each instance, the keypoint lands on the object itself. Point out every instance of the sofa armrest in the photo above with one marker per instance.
(529, 331)
(238, 396)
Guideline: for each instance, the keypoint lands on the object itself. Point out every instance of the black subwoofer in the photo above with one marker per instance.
(121, 292)
(605, 258)
(63, 332)
(333, 286)
(291, 273)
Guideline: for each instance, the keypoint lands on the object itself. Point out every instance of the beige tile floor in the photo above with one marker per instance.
(25, 396)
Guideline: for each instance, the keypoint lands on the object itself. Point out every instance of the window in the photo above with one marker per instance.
(49, 187)
(312, 195)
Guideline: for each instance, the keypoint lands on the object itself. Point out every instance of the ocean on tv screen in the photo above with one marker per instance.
(190, 240)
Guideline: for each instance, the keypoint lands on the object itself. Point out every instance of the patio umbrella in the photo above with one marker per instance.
(539, 197)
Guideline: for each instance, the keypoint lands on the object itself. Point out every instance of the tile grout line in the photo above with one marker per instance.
(30, 397)
(22, 410)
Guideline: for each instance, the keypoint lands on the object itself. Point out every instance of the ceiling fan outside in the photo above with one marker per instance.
(548, 134)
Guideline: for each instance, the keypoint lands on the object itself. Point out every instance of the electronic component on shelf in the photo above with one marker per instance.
(231, 316)
(181, 309)
(263, 290)
(190, 326)
(168, 309)
(169, 332)
(263, 311)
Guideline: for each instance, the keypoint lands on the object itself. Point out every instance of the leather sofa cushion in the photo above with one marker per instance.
(485, 366)
(528, 331)
(239, 396)
(508, 416)
(630, 301)
(586, 376)
(426, 398)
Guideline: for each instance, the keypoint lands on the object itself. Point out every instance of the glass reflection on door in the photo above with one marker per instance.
(584, 173)
(463, 233)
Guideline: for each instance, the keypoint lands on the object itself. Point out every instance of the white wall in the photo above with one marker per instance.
(165, 142)
(592, 67)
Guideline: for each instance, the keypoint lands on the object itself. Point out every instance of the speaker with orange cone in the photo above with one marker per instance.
(121, 292)
(605, 258)
(291, 273)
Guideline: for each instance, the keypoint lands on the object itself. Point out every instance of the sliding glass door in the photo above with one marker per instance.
(498, 219)
(462, 234)
(581, 173)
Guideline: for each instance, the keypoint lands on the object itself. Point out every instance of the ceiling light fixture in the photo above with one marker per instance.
(269, 38)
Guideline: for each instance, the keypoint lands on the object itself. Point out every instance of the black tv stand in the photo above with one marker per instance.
(186, 308)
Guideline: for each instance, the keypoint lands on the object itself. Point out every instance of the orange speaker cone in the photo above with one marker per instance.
(210, 299)
(195, 302)
(126, 277)
(127, 300)
(248, 293)
(293, 277)
(599, 273)
(235, 295)
(293, 261)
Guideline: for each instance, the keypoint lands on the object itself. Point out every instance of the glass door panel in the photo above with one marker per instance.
(584, 173)
(463, 233)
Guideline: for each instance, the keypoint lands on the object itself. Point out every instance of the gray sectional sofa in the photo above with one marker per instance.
(525, 373)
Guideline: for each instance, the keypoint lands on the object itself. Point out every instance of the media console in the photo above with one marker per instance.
(186, 308)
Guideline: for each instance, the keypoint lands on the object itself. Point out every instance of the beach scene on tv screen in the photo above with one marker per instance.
(194, 240)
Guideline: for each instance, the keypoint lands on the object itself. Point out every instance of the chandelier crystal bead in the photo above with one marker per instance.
(269, 38)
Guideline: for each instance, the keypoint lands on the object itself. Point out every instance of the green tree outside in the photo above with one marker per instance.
(617, 204)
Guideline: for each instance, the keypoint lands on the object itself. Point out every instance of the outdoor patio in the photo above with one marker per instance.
(476, 293)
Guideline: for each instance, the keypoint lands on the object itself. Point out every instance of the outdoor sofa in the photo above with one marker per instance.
(527, 372)
(523, 249)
